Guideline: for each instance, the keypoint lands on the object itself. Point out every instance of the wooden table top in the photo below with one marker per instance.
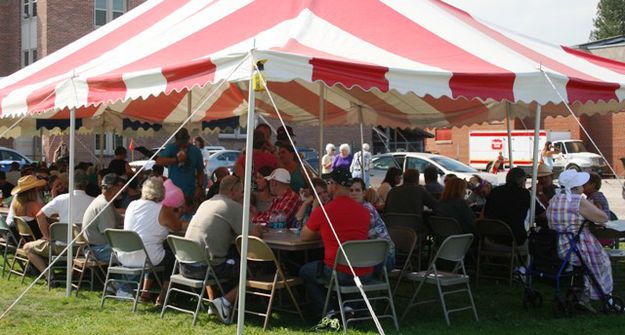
(289, 241)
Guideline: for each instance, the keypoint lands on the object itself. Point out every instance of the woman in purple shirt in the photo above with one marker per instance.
(343, 159)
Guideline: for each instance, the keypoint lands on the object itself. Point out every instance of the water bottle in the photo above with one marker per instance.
(273, 219)
(281, 221)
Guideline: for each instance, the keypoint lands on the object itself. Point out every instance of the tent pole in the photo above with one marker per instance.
(322, 110)
(362, 149)
(70, 205)
(247, 188)
(509, 126)
(101, 144)
(535, 164)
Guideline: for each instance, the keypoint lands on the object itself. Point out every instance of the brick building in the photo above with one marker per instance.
(603, 129)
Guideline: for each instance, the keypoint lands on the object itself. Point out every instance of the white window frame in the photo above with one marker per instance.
(28, 57)
(29, 9)
(109, 11)
(109, 144)
(237, 134)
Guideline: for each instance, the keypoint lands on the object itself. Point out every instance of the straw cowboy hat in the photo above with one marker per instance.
(544, 170)
(27, 183)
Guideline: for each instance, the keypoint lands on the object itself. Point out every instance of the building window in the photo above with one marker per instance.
(110, 142)
(30, 8)
(443, 135)
(108, 10)
(237, 133)
(29, 57)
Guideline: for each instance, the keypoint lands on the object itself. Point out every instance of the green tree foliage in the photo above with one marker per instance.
(610, 20)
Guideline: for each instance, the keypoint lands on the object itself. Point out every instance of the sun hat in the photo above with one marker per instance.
(281, 175)
(544, 170)
(342, 176)
(571, 178)
(27, 183)
(173, 195)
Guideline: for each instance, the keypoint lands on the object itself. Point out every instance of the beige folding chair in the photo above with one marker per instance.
(8, 244)
(453, 249)
(189, 252)
(85, 261)
(58, 241)
(259, 251)
(487, 254)
(361, 254)
(405, 240)
(21, 257)
(127, 241)
(412, 221)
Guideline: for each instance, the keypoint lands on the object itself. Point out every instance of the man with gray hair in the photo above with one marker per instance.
(107, 218)
(361, 164)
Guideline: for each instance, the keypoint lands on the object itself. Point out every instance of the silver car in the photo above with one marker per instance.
(219, 158)
(421, 161)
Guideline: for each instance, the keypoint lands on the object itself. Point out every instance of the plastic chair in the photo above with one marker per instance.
(86, 261)
(366, 253)
(497, 229)
(21, 257)
(127, 241)
(405, 240)
(453, 249)
(258, 251)
(8, 243)
(189, 252)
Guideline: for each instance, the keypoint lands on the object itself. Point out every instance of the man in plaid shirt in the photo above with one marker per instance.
(285, 199)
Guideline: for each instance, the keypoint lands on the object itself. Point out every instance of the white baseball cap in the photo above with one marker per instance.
(281, 175)
(571, 178)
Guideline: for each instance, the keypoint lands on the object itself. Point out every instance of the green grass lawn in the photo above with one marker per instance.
(499, 307)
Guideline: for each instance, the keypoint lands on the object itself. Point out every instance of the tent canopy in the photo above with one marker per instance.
(402, 63)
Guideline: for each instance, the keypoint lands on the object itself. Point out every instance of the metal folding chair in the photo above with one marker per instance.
(84, 262)
(127, 241)
(21, 258)
(259, 285)
(58, 240)
(366, 253)
(405, 240)
(496, 229)
(189, 252)
(8, 243)
(412, 221)
(453, 249)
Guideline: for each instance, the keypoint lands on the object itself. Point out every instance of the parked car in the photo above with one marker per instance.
(421, 161)
(8, 156)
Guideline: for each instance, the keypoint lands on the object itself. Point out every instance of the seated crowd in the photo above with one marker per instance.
(210, 210)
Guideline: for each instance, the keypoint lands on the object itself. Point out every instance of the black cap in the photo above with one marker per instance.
(342, 176)
(182, 136)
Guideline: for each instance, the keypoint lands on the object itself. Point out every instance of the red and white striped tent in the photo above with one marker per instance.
(402, 63)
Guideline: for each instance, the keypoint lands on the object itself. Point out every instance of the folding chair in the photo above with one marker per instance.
(496, 229)
(258, 251)
(189, 252)
(127, 241)
(366, 253)
(58, 240)
(405, 240)
(21, 257)
(453, 249)
(412, 221)
(8, 243)
(86, 261)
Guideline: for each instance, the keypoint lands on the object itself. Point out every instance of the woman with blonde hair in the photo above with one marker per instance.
(327, 159)
(26, 203)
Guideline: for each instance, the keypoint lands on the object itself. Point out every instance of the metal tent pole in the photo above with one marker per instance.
(70, 206)
(509, 127)
(247, 188)
(535, 164)
(322, 110)
(362, 149)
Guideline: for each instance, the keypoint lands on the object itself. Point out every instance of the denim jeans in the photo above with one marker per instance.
(315, 275)
(102, 252)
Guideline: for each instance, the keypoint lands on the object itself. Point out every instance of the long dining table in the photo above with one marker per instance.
(288, 240)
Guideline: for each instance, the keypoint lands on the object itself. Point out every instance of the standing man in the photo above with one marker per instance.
(361, 164)
(350, 220)
(185, 164)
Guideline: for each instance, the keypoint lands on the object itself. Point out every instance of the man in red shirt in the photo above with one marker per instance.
(351, 223)
(286, 201)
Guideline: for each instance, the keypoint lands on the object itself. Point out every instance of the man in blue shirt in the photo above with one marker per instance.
(184, 163)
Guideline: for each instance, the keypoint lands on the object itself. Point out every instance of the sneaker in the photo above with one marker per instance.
(221, 308)
(210, 311)
(584, 302)
(121, 293)
(329, 323)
